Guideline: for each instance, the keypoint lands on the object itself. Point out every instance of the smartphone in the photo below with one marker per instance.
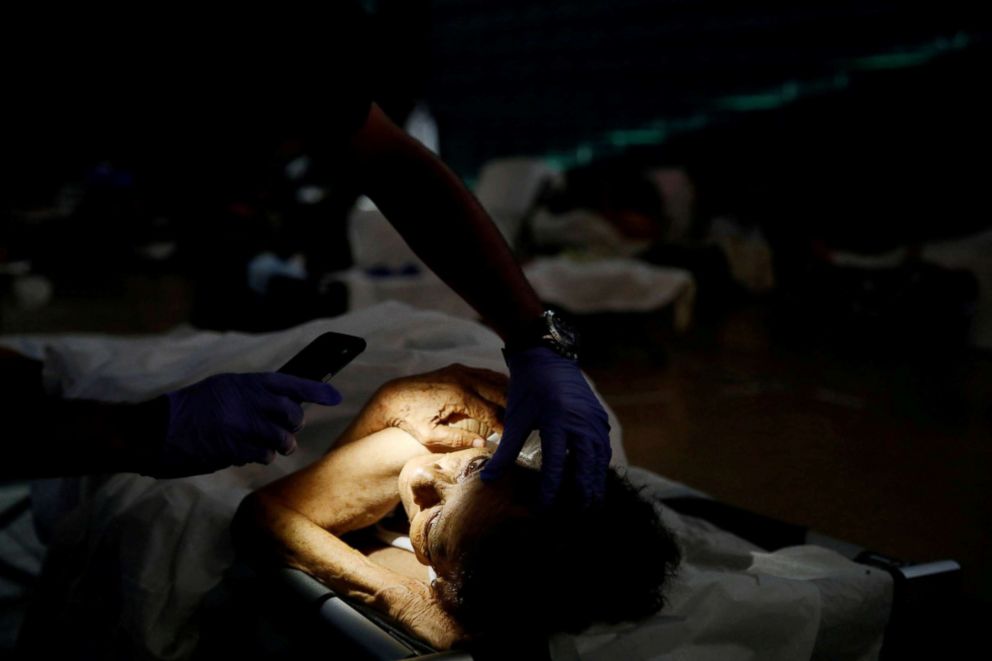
(324, 357)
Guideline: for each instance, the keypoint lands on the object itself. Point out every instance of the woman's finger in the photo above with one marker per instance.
(481, 409)
(448, 439)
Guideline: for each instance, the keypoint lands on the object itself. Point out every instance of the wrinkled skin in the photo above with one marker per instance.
(452, 408)
(419, 610)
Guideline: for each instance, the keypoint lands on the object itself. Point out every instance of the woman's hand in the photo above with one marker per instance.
(413, 605)
(452, 408)
(448, 409)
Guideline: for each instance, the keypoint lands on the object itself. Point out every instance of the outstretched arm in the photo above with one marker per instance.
(47, 436)
(443, 223)
(227, 419)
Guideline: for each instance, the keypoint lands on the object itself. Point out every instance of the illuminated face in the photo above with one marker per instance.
(448, 504)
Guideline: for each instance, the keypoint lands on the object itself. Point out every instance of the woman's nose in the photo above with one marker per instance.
(426, 496)
(426, 488)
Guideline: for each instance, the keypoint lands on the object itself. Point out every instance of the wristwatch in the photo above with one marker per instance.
(549, 330)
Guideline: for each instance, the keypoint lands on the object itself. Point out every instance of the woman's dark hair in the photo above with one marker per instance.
(564, 568)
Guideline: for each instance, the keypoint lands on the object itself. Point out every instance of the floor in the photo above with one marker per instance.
(892, 454)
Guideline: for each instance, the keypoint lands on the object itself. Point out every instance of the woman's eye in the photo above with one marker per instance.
(475, 465)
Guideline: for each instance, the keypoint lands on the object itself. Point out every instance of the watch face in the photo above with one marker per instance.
(563, 333)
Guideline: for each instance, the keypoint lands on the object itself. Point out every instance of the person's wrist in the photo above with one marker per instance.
(376, 414)
(387, 409)
(551, 330)
(524, 356)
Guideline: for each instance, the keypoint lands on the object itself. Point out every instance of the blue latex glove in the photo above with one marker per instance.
(548, 392)
(234, 419)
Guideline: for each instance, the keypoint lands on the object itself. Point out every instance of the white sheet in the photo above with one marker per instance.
(733, 601)
(131, 564)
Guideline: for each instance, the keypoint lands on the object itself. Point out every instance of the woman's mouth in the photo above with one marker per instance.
(427, 531)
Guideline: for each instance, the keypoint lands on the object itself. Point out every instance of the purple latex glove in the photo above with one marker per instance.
(233, 419)
(548, 392)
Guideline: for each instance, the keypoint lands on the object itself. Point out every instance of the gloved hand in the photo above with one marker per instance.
(233, 419)
(548, 392)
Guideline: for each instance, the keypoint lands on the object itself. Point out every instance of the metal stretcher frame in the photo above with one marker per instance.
(379, 638)
(370, 635)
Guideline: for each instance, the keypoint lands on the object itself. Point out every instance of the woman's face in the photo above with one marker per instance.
(448, 504)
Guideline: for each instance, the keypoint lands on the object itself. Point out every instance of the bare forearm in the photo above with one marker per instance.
(268, 532)
(80, 437)
(444, 224)
(372, 418)
(352, 486)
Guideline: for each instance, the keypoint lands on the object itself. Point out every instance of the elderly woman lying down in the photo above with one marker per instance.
(489, 560)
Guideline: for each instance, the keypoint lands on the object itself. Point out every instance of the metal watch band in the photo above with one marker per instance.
(549, 330)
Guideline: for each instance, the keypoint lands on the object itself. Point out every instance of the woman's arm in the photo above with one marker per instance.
(427, 406)
(297, 521)
(352, 486)
(270, 532)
